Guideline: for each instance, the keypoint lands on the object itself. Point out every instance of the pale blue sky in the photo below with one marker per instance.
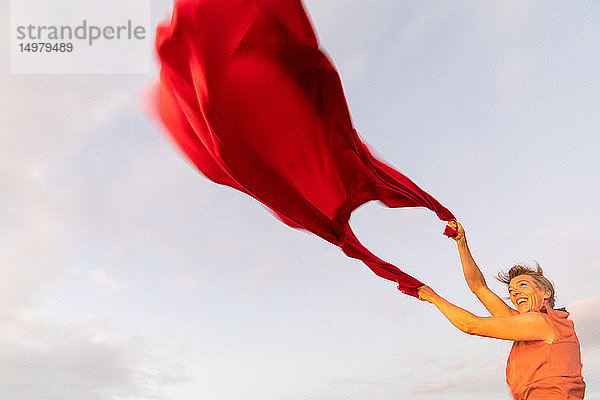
(127, 275)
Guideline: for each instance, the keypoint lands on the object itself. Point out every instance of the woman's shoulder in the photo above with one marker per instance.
(557, 312)
(559, 318)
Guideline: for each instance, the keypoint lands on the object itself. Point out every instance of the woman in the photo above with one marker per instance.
(544, 362)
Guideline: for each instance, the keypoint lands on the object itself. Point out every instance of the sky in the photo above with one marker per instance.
(126, 275)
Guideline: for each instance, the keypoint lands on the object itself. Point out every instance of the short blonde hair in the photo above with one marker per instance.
(538, 277)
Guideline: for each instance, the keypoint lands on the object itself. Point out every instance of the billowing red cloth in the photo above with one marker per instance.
(253, 102)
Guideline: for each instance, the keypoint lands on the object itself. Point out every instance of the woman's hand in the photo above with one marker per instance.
(460, 232)
(425, 293)
(518, 327)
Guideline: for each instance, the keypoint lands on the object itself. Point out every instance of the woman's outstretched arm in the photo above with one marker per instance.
(494, 304)
(525, 326)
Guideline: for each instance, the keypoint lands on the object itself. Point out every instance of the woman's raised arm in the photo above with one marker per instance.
(494, 304)
(525, 326)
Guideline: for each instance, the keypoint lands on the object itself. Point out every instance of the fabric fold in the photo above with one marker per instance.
(249, 97)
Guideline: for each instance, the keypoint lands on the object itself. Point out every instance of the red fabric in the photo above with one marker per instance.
(450, 232)
(253, 102)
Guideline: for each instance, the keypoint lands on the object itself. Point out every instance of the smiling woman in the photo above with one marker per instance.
(525, 286)
(545, 361)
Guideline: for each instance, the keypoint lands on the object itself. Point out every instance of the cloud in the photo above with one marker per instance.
(465, 375)
(587, 321)
(49, 361)
(441, 386)
(362, 381)
(102, 278)
(47, 123)
(473, 383)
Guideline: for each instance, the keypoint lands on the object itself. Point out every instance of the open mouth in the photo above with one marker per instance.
(521, 301)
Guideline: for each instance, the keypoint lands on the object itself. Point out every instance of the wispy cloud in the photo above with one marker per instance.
(49, 361)
(102, 278)
(586, 316)
(362, 381)
(440, 386)
(466, 375)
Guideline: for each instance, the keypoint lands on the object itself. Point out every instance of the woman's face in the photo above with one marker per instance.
(525, 294)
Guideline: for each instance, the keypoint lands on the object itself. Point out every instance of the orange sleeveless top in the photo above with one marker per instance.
(537, 370)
